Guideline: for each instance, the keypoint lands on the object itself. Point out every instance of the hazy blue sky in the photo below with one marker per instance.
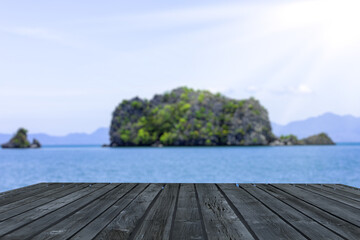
(65, 65)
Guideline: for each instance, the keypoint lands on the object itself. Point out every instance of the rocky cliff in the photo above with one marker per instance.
(317, 139)
(185, 117)
(20, 141)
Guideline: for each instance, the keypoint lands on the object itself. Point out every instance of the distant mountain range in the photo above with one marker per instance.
(99, 137)
(339, 128)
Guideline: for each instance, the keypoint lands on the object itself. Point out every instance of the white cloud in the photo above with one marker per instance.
(253, 89)
(303, 89)
(336, 22)
(178, 17)
(285, 90)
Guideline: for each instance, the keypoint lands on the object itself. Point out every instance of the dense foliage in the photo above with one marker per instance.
(20, 138)
(20, 141)
(318, 139)
(188, 117)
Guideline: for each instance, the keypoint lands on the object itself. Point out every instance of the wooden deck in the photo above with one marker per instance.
(180, 211)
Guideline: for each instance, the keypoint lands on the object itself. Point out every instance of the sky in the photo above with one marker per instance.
(65, 65)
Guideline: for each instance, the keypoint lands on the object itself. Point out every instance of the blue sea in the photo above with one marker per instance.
(295, 164)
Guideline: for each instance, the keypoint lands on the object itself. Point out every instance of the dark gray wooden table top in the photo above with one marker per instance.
(180, 211)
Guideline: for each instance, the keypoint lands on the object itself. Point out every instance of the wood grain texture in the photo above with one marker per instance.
(23, 189)
(180, 211)
(44, 193)
(50, 196)
(187, 222)
(343, 211)
(125, 223)
(350, 187)
(85, 215)
(14, 192)
(35, 220)
(95, 227)
(261, 220)
(157, 223)
(24, 194)
(327, 220)
(293, 217)
(323, 191)
(341, 190)
(219, 218)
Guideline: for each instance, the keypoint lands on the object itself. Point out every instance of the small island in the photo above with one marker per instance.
(318, 139)
(20, 141)
(187, 117)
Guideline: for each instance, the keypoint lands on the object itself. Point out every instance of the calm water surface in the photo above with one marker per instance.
(298, 164)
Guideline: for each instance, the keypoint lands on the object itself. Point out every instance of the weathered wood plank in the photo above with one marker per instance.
(295, 218)
(157, 222)
(348, 192)
(336, 208)
(13, 192)
(180, 211)
(219, 218)
(261, 220)
(329, 221)
(48, 197)
(123, 225)
(66, 228)
(350, 187)
(95, 227)
(330, 194)
(27, 193)
(31, 222)
(187, 222)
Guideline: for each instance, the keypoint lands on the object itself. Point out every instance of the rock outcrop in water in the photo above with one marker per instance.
(35, 144)
(185, 117)
(318, 139)
(20, 141)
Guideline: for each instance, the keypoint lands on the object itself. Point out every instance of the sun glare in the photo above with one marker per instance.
(335, 23)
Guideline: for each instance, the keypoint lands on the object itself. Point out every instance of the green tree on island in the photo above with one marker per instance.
(187, 117)
(19, 140)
